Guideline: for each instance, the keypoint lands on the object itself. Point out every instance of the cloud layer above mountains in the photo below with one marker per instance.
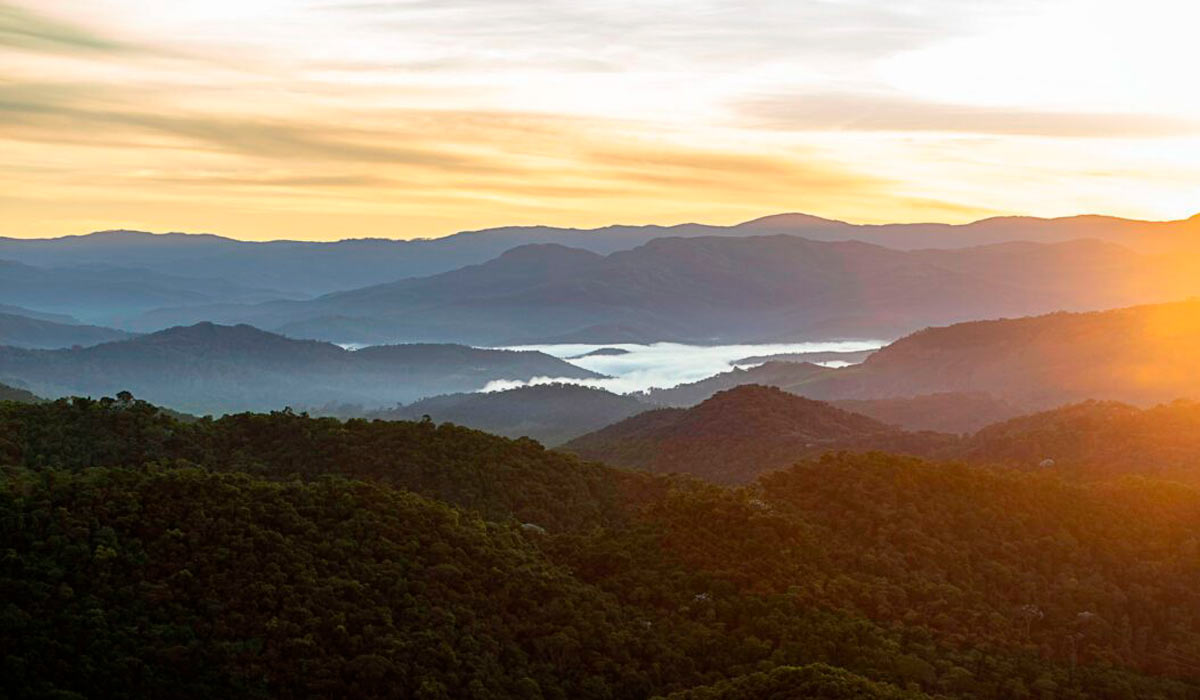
(404, 118)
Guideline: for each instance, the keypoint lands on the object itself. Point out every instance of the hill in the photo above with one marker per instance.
(1142, 355)
(306, 268)
(107, 294)
(209, 368)
(25, 332)
(39, 315)
(774, 373)
(392, 558)
(741, 433)
(1143, 236)
(697, 290)
(944, 413)
(549, 413)
(1097, 440)
(11, 393)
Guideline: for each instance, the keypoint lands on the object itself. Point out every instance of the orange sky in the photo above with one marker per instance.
(326, 119)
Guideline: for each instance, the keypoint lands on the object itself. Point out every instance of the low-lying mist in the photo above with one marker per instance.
(664, 365)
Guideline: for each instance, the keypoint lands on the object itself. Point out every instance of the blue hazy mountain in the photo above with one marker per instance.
(209, 368)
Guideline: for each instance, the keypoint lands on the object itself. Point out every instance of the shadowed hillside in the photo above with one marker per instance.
(741, 433)
(9, 393)
(25, 332)
(210, 558)
(551, 413)
(943, 413)
(213, 369)
(307, 267)
(699, 290)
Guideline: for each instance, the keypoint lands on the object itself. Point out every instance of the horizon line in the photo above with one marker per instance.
(415, 239)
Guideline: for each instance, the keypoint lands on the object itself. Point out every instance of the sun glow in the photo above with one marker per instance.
(265, 118)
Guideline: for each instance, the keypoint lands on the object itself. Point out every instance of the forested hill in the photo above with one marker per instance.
(741, 433)
(208, 368)
(285, 556)
(943, 412)
(1097, 440)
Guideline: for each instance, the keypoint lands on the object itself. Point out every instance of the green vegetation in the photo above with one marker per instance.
(1097, 440)
(797, 683)
(955, 413)
(286, 556)
(741, 433)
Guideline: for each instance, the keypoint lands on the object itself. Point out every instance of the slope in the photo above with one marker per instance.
(706, 290)
(208, 368)
(739, 434)
(549, 413)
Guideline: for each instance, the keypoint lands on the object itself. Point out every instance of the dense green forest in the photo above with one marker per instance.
(1097, 440)
(286, 556)
(743, 432)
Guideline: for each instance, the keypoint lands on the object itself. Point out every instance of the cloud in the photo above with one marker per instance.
(664, 34)
(664, 365)
(52, 111)
(286, 181)
(22, 29)
(897, 113)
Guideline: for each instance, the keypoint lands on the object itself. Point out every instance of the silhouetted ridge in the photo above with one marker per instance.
(211, 368)
(710, 289)
(26, 332)
(550, 413)
(740, 433)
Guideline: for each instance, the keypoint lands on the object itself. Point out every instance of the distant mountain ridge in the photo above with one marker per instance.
(717, 289)
(208, 368)
(106, 293)
(549, 413)
(310, 268)
(26, 332)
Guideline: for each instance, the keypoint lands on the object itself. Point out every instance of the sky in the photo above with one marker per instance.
(330, 119)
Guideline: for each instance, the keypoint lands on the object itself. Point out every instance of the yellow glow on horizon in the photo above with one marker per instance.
(327, 119)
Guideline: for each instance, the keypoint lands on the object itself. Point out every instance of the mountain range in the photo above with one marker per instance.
(692, 282)
(302, 267)
(106, 294)
(717, 289)
(25, 332)
(209, 368)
